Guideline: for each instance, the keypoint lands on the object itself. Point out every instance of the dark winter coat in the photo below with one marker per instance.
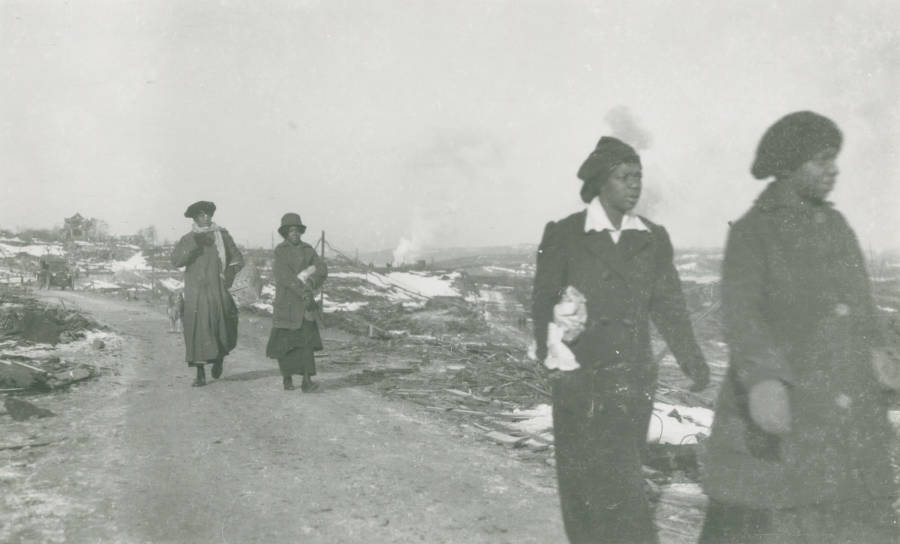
(798, 308)
(601, 411)
(626, 285)
(295, 301)
(210, 315)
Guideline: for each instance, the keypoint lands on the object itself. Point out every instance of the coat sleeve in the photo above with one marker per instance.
(669, 313)
(549, 283)
(186, 250)
(753, 352)
(235, 258)
(876, 333)
(285, 275)
(318, 278)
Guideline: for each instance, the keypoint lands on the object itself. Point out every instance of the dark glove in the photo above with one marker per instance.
(203, 238)
(700, 376)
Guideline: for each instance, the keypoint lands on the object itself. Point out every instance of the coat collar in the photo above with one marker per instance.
(601, 245)
(778, 195)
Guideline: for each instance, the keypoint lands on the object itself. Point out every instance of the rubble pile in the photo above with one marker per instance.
(29, 332)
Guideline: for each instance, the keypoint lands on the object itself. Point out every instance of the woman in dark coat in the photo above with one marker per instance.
(623, 266)
(298, 272)
(211, 260)
(801, 446)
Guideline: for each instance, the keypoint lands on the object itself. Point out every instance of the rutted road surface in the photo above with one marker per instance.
(144, 457)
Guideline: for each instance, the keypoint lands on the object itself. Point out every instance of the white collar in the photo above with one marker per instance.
(598, 220)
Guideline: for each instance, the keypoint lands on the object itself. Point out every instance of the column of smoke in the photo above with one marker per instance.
(445, 174)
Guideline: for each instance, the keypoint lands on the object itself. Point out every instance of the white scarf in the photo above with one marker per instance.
(220, 243)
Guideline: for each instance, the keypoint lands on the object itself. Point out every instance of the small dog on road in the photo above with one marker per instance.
(175, 311)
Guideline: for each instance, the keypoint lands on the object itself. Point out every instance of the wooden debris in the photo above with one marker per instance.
(21, 410)
(505, 439)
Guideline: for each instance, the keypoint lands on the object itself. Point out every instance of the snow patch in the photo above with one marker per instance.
(136, 262)
(670, 424)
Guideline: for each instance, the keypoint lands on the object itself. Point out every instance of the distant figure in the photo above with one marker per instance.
(175, 311)
(801, 447)
(211, 260)
(620, 267)
(44, 274)
(298, 273)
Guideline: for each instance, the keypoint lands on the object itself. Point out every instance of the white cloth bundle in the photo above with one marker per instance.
(569, 318)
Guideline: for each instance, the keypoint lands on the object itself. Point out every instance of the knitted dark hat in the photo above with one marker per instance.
(609, 153)
(290, 220)
(200, 206)
(793, 140)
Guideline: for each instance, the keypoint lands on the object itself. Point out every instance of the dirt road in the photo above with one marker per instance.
(143, 457)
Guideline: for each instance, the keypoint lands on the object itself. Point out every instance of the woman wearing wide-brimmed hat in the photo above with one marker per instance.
(211, 260)
(620, 265)
(801, 447)
(298, 272)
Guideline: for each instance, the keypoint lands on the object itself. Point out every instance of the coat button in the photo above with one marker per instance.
(841, 309)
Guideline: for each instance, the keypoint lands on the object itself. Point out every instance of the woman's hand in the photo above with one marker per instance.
(770, 407)
(886, 362)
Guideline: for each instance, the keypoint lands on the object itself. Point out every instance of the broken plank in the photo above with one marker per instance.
(505, 439)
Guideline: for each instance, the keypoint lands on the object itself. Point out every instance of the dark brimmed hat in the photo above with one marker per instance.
(793, 140)
(200, 206)
(609, 153)
(290, 220)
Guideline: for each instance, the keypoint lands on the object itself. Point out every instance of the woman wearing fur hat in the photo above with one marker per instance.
(801, 446)
(211, 260)
(620, 266)
(298, 272)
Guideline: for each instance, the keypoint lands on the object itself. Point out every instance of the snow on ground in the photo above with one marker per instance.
(99, 285)
(887, 309)
(670, 424)
(332, 306)
(136, 262)
(111, 339)
(410, 284)
(700, 278)
(35, 250)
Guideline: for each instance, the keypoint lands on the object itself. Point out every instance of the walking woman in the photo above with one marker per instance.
(298, 272)
(801, 446)
(622, 264)
(211, 260)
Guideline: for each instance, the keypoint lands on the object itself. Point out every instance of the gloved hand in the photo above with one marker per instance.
(770, 407)
(203, 238)
(700, 376)
(886, 362)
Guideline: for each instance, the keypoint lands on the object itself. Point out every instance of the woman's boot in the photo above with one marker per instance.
(200, 381)
(307, 384)
(217, 368)
(288, 382)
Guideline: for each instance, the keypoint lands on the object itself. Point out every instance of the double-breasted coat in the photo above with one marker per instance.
(210, 315)
(601, 411)
(798, 308)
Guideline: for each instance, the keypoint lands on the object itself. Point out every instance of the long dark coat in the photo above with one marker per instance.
(601, 411)
(210, 314)
(292, 299)
(798, 308)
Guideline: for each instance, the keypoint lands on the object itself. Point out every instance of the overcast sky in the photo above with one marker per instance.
(445, 123)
